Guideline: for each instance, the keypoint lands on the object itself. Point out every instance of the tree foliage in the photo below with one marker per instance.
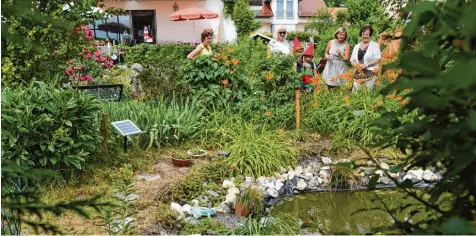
(244, 19)
(441, 80)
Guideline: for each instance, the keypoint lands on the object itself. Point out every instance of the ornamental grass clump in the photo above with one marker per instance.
(257, 151)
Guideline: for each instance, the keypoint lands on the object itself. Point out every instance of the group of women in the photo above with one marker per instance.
(365, 56)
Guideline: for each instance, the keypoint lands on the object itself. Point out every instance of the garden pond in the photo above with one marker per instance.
(338, 212)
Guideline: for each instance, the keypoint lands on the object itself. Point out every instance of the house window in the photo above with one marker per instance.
(116, 28)
(280, 9)
(289, 9)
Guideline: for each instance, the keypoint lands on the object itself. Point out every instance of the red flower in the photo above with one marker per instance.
(90, 55)
(103, 59)
(70, 62)
(85, 51)
(53, 53)
(68, 71)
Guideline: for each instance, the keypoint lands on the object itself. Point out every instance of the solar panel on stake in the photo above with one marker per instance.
(126, 128)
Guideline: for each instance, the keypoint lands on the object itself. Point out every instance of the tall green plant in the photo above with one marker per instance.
(47, 127)
(244, 19)
(442, 80)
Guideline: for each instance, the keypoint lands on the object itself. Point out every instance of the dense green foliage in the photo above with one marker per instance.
(30, 24)
(47, 127)
(280, 224)
(442, 82)
(244, 19)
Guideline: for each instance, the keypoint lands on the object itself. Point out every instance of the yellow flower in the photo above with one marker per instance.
(269, 76)
(347, 99)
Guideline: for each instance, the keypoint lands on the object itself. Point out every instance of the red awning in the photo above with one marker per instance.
(193, 13)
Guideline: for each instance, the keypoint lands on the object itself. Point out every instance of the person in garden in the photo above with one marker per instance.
(365, 58)
(205, 48)
(279, 44)
(337, 54)
(307, 70)
(297, 51)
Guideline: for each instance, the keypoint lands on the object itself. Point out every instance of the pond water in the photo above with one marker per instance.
(332, 212)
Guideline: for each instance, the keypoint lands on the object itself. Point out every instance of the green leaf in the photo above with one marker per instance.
(417, 62)
(68, 123)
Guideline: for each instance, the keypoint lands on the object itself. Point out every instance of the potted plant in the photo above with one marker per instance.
(196, 152)
(250, 201)
(180, 160)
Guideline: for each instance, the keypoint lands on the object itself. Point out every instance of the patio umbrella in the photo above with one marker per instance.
(192, 13)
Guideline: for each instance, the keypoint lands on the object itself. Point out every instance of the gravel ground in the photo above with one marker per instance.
(229, 220)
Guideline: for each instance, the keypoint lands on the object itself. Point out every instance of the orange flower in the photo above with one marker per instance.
(403, 102)
(407, 90)
(358, 67)
(224, 82)
(230, 50)
(235, 61)
(267, 113)
(399, 98)
(217, 56)
(269, 76)
(315, 104)
(377, 83)
(391, 96)
(225, 57)
(341, 76)
(347, 99)
(227, 63)
(379, 102)
(333, 78)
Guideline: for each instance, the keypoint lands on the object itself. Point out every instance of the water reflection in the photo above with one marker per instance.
(336, 212)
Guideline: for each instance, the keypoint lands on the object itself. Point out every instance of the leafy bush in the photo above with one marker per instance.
(162, 64)
(164, 122)
(257, 151)
(216, 78)
(244, 19)
(254, 199)
(442, 81)
(47, 127)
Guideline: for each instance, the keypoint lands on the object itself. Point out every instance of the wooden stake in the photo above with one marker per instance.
(104, 133)
(298, 109)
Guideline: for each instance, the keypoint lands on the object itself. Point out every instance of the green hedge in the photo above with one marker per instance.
(47, 127)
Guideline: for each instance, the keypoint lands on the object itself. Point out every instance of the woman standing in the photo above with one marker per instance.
(203, 49)
(337, 54)
(279, 44)
(365, 57)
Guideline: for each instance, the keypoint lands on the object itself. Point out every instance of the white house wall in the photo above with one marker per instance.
(181, 31)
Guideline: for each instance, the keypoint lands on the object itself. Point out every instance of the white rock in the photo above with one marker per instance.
(384, 166)
(282, 170)
(305, 177)
(283, 177)
(298, 170)
(410, 177)
(308, 174)
(308, 169)
(429, 176)
(270, 184)
(230, 198)
(326, 177)
(320, 180)
(228, 184)
(195, 202)
(324, 168)
(384, 180)
(278, 184)
(245, 185)
(186, 208)
(301, 184)
(262, 180)
(291, 174)
(176, 207)
(416, 174)
(233, 191)
(249, 179)
(394, 175)
(314, 183)
(380, 172)
(326, 160)
(272, 192)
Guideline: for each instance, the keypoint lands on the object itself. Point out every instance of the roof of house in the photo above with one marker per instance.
(310, 7)
(266, 10)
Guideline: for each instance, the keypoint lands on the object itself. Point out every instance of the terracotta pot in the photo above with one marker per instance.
(240, 210)
(180, 163)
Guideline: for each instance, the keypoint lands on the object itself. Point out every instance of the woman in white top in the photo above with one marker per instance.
(280, 35)
(365, 55)
(337, 54)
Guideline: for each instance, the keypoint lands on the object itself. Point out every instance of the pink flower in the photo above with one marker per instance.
(68, 71)
(53, 53)
(103, 59)
(85, 51)
(97, 54)
(90, 55)
(70, 62)
(87, 77)
(85, 27)
(73, 76)
(78, 68)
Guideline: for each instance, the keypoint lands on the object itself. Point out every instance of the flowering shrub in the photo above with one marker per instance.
(216, 78)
